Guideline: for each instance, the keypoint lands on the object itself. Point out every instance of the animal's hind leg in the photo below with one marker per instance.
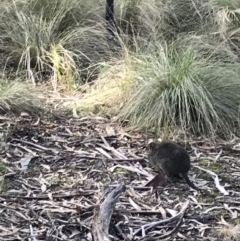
(177, 176)
(174, 178)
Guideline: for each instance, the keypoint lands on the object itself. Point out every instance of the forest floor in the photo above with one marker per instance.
(54, 171)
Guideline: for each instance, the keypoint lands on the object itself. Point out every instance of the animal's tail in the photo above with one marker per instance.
(185, 175)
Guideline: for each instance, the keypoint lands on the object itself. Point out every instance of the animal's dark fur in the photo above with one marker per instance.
(172, 159)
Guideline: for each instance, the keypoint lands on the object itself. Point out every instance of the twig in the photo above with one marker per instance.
(138, 212)
(218, 156)
(175, 229)
(229, 201)
(22, 147)
(216, 180)
(122, 234)
(103, 152)
(141, 188)
(106, 143)
(40, 219)
(37, 146)
(43, 197)
(133, 169)
(153, 224)
(112, 159)
(109, 148)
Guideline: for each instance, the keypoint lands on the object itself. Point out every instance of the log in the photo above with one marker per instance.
(103, 213)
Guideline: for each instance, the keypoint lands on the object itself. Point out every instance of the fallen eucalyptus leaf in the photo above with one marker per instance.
(25, 161)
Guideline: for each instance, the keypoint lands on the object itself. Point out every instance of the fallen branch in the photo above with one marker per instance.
(103, 213)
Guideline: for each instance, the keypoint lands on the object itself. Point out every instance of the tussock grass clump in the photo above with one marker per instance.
(168, 19)
(128, 16)
(30, 30)
(210, 47)
(16, 98)
(111, 88)
(182, 89)
(162, 19)
(226, 17)
(176, 17)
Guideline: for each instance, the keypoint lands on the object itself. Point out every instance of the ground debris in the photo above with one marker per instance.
(53, 172)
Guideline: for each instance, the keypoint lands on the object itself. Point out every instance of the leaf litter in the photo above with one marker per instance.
(54, 171)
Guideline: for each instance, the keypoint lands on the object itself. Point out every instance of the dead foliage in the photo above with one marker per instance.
(16, 98)
(53, 173)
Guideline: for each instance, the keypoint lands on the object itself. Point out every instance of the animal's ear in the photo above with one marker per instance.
(152, 145)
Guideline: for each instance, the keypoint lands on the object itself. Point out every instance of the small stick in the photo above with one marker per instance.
(153, 224)
(112, 159)
(216, 180)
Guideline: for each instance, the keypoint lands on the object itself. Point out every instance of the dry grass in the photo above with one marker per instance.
(16, 98)
(166, 87)
(35, 33)
(63, 68)
(226, 18)
(228, 232)
(111, 88)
